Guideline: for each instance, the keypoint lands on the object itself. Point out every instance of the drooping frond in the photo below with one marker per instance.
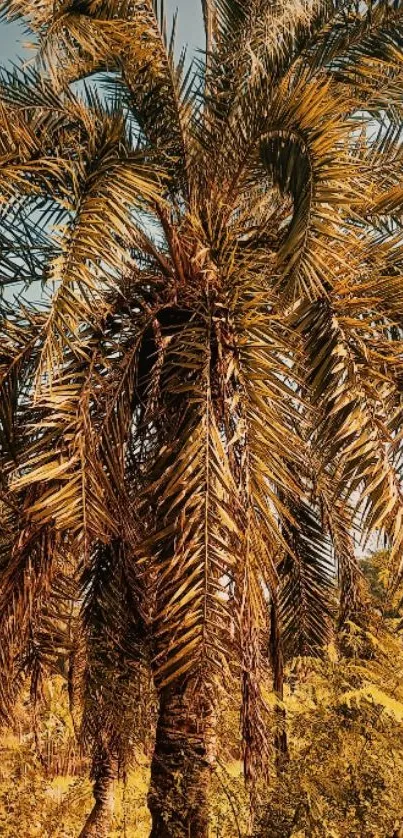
(196, 545)
(19, 336)
(52, 631)
(77, 455)
(307, 589)
(115, 640)
(353, 434)
(26, 573)
(86, 38)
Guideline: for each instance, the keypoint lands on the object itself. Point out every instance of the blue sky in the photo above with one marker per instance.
(189, 30)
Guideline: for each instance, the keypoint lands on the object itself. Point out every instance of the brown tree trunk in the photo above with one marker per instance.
(99, 821)
(182, 765)
(277, 661)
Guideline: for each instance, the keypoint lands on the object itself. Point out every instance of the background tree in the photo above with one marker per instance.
(214, 381)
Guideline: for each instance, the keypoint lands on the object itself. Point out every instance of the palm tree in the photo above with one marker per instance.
(208, 400)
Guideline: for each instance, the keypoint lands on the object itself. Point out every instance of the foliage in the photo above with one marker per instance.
(345, 769)
(343, 776)
(37, 799)
(38, 788)
(387, 597)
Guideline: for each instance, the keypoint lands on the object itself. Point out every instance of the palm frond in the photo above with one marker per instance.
(115, 666)
(349, 437)
(19, 336)
(307, 590)
(355, 37)
(307, 154)
(84, 39)
(25, 578)
(194, 550)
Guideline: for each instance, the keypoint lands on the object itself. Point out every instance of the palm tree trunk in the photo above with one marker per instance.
(182, 764)
(277, 662)
(99, 821)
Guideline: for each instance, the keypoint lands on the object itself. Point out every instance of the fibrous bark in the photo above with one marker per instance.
(182, 764)
(99, 822)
